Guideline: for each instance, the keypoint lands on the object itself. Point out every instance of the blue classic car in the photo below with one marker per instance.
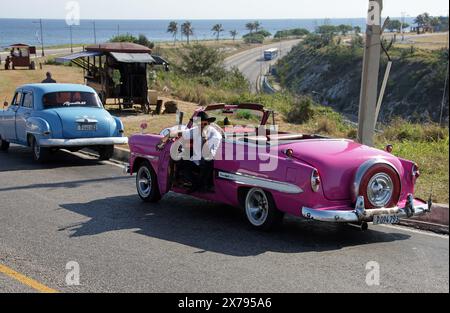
(48, 117)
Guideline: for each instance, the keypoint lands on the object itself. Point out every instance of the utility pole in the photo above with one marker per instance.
(370, 73)
(403, 21)
(95, 33)
(441, 116)
(42, 36)
(71, 39)
(118, 30)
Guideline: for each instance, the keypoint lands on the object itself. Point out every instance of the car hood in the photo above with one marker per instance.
(337, 162)
(70, 116)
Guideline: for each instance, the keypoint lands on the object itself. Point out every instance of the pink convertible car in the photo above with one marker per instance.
(270, 173)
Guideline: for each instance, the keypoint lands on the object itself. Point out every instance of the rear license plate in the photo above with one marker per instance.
(87, 127)
(386, 219)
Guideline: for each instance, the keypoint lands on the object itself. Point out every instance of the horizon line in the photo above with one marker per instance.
(191, 19)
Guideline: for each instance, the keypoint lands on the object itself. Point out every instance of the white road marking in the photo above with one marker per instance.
(415, 231)
(90, 156)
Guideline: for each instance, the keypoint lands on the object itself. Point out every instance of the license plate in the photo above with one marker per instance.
(386, 219)
(87, 127)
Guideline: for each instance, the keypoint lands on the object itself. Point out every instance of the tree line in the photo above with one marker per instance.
(187, 30)
(424, 23)
(257, 34)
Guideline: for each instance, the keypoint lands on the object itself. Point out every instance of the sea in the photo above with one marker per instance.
(57, 32)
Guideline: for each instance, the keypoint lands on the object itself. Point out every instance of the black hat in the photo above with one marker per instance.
(205, 117)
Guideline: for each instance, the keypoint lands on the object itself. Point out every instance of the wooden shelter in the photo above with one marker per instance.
(116, 71)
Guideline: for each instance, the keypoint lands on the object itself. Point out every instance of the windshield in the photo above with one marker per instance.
(71, 99)
(237, 118)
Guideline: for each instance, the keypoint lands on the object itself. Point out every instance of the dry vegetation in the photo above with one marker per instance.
(434, 41)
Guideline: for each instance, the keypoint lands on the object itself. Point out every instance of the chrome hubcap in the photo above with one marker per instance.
(256, 207)
(144, 182)
(380, 189)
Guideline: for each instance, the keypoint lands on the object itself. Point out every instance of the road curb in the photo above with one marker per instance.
(435, 228)
(437, 221)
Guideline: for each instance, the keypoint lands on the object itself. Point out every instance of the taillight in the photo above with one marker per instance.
(315, 181)
(415, 172)
(289, 153)
(389, 148)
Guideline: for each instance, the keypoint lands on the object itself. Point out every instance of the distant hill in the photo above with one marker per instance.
(332, 74)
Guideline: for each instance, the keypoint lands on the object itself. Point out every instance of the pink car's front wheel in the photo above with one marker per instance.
(147, 183)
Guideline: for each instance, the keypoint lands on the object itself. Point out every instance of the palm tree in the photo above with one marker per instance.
(187, 30)
(434, 23)
(173, 29)
(423, 21)
(234, 34)
(257, 25)
(250, 27)
(217, 29)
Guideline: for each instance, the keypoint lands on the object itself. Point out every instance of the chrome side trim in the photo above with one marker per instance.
(243, 179)
(362, 171)
(148, 157)
(33, 127)
(83, 142)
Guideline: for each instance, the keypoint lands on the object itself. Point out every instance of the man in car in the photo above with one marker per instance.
(211, 139)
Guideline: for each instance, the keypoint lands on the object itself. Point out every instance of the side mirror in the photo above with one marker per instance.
(180, 116)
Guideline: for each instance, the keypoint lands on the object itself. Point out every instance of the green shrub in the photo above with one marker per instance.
(141, 40)
(297, 32)
(401, 130)
(245, 115)
(325, 126)
(200, 60)
(302, 111)
(254, 38)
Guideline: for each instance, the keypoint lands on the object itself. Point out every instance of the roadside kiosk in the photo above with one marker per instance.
(116, 71)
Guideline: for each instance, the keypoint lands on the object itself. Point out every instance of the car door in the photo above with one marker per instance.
(8, 127)
(22, 114)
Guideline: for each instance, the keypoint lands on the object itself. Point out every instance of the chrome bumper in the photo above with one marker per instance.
(360, 214)
(83, 142)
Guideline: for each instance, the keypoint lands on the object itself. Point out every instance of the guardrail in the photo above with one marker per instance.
(266, 87)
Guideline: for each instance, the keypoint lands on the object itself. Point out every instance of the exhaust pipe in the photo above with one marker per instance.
(363, 226)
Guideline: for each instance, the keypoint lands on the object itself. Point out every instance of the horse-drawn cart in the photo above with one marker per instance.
(20, 56)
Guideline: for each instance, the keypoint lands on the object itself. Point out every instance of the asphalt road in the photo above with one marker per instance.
(252, 64)
(75, 208)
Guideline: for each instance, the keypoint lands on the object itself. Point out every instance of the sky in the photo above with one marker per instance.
(208, 9)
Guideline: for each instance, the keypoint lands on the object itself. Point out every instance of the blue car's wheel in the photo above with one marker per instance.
(40, 154)
(106, 153)
(4, 145)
